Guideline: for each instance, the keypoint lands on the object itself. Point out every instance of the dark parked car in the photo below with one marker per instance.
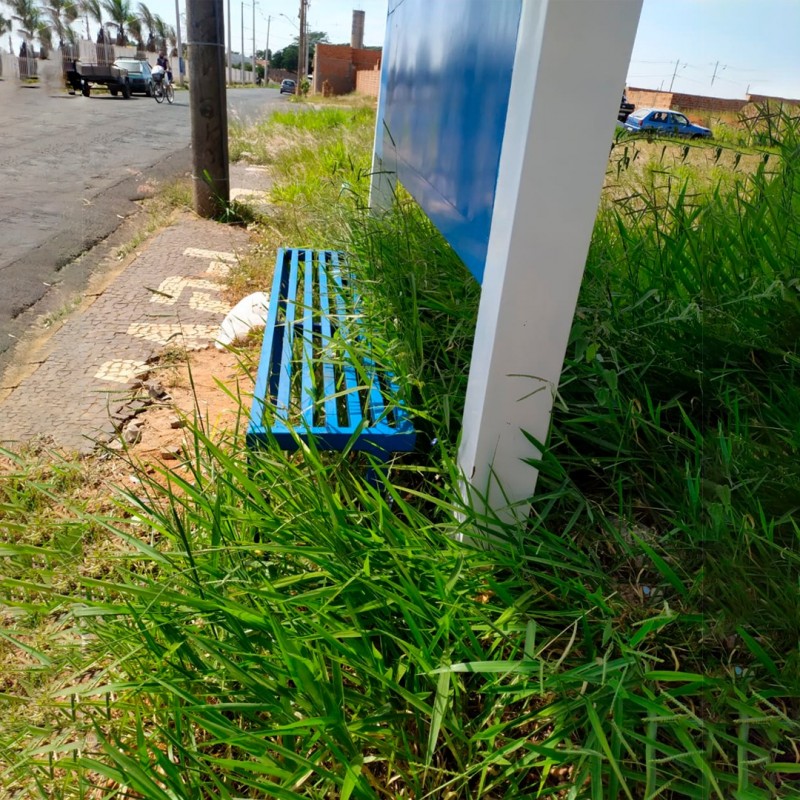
(288, 86)
(625, 109)
(140, 77)
(666, 122)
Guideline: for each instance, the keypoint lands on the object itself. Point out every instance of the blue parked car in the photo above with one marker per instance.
(140, 77)
(665, 122)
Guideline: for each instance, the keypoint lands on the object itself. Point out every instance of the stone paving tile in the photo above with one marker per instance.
(99, 352)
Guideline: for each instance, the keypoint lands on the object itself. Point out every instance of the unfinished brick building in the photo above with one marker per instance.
(340, 65)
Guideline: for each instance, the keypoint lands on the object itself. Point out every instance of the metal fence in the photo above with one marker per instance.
(28, 67)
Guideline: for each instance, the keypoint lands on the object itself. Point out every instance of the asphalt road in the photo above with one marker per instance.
(71, 169)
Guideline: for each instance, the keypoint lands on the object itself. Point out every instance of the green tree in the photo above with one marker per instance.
(29, 18)
(134, 24)
(164, 34)
(61, 14)
(286, 58)
(314, 38)
(317, 37)
(92, 9)
(148, 19)
(119, 12)
(5, 25)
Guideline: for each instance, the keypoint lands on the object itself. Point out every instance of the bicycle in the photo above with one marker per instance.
(162, 87)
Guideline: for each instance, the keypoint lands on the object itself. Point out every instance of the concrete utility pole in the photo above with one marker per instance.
(205, 26)
(305, 42)
(675, 72)
(301, 43)
(241, 54)
(230, 49)
(178, 37)
(266, 55)
(253, 60)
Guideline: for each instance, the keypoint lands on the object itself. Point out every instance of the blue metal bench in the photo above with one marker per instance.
(312, 380)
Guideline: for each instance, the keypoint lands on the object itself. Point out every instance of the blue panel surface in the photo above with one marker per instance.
(447, 68)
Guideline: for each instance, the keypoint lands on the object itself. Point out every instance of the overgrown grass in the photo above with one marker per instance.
(320, 171)
(173, 195)
(279, 628)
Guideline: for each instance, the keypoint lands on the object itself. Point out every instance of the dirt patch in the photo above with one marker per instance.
(207, 389)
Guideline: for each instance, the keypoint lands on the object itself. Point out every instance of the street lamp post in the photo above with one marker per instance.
(253, 56)
(181, 71)
(266, 55)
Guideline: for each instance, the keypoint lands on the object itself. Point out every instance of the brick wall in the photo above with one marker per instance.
(366, 59)
(278, 75)
(333, 63)
(647, 98)
(694, 102)
(765, 98)
(339, 66)
(368, 81)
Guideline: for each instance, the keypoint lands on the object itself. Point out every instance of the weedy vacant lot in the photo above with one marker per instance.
(266, 626)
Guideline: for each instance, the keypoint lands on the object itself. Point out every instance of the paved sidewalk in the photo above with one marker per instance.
(169, 293)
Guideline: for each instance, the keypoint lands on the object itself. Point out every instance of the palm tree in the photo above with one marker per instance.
(149, 21)
(120, 13)
(135, 30)
(5, 27)
(29, 17)
(62, 14)
(165, 34)
(44, 33)
(92, 9)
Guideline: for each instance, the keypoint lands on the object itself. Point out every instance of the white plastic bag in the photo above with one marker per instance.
(250, 312)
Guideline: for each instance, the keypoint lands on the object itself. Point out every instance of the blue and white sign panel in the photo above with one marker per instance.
(446, 80)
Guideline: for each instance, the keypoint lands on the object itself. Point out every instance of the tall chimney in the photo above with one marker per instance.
(357, 33)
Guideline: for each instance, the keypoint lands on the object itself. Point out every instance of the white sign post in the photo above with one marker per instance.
(569, 73)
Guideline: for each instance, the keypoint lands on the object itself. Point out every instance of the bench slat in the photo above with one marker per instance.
(352, 399)
(375, 404)
(283, 399)
(313, 298)
(328, 373)
(307, 398)
(266, 387)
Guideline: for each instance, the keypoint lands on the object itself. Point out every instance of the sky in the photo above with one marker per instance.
(334, 17)
(740, 45)
(750, 43)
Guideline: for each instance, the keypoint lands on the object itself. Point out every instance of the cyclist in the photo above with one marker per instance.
(163, 62)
